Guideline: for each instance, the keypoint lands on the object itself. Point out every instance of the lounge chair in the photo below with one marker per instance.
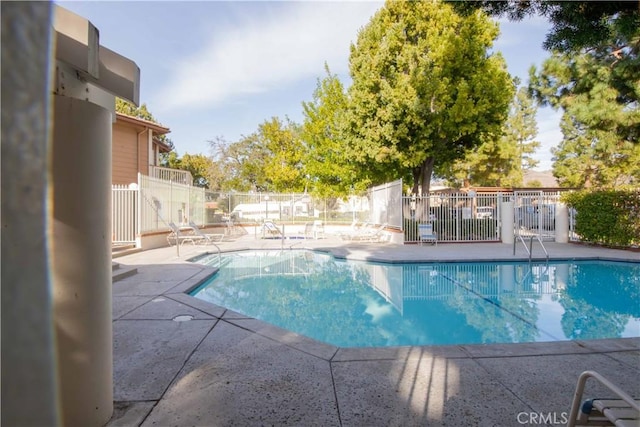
(176, 236)
(270, 230)
(621, 410)
(354, 228)
(206, 238)
(308, 230)
(370, 233)
(318, 229)
(427, 234)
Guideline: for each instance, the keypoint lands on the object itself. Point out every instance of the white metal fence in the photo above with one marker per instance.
(124, 204)
(154, 203)
(573, 236)
(535, 213)
(287, 207)
(456, 217)
(472, 217)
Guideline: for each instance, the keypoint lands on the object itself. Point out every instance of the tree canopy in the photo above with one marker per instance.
(425, 90)
(283, 165)
(269, 159)
(576, 25)
(598, 90)
(593, 75)
(241, 163)
(141, 112)
(326, 164)
(502, 160)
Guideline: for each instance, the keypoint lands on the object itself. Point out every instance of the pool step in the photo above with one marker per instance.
(122, 250)
(119, 272)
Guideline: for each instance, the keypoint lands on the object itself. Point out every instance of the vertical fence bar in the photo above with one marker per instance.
(457, 217)
(124, 213)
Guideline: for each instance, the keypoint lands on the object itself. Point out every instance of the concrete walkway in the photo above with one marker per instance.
(224, 369)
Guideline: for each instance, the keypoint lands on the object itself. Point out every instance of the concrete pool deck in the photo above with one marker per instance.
(224, 369)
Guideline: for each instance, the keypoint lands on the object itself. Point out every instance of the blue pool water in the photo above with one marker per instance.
(362, 304)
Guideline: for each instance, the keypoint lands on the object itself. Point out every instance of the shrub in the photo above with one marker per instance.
(610, 217)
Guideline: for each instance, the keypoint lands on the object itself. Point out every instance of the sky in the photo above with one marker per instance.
(214, 69)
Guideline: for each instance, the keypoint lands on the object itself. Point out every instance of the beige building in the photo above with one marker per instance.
(135, 148)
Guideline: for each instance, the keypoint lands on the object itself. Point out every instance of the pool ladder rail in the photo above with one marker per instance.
(529, 249)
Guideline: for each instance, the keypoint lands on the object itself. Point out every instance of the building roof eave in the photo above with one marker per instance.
(136, 121)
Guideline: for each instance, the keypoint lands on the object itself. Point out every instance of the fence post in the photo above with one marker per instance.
(458, 216)
(507, 213)
(138, 218)
(561, 223)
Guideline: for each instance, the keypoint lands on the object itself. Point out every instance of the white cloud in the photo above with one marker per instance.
(257, 54)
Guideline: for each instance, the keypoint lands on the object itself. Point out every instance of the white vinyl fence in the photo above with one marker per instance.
(386, 204)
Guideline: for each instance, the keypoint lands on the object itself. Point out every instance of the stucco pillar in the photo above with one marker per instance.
(562, 223)
(81, 260)
(28, 384)
(506, 214)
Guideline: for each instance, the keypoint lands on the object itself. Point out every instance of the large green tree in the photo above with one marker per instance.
(576, 25)
(521, 129)
(425, 89)
(283, 165)
(594, 77)
(241, 163)
(269, 159)
(599, 92)
(502, 160)
(326, 165)
(590, 157)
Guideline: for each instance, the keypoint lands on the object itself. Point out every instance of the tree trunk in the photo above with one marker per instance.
(421, 183)
(417, 179)
(426, 170)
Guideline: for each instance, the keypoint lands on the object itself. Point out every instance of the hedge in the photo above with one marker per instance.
(610, 217)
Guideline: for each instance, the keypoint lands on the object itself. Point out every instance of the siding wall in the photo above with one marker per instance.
(130, 154)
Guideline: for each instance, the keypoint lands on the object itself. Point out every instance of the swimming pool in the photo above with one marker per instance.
(364, 304)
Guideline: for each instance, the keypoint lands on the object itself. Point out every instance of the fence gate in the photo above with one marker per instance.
(124, 214)
(535, 214)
